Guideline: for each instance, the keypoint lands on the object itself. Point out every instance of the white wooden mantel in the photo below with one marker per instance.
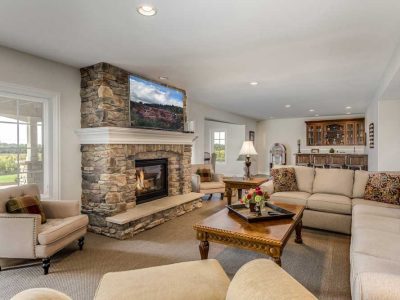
(119, 135)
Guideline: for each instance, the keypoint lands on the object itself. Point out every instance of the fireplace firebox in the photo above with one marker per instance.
(151, 179)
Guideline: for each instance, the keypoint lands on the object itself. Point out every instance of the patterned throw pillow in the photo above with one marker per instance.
(382, 187)
(25, 205)
(205, 174)
(284, 180)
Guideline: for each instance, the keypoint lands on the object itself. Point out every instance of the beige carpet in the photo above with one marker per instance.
(321, 263)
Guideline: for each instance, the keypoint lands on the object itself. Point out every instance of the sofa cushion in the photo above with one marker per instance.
(376, 222)
(40, 293)
(284, 180)
(263, 279)
(304, 178)
(211, 185)
(297, 198)
(357, 201)
(382, 187)
(378, 243)
(360, 182)
(330, 203)
(195, 280)
(27, 204)
(333, 181)
(376, 211)
(56, 229)
(371, 285)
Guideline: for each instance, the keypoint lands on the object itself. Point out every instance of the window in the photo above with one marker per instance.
(219, 145)
(21, 142)
(29, 138)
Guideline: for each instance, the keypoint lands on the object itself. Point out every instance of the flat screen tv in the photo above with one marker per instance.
(156, 106)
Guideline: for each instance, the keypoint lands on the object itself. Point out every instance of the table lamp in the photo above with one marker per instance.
(247, 150)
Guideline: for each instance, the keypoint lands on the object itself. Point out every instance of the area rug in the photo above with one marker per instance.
(321, 264)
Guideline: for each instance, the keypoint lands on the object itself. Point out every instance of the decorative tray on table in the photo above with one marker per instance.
(268, 212)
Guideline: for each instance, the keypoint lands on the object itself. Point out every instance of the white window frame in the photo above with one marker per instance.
(212, 144)
(51, 131)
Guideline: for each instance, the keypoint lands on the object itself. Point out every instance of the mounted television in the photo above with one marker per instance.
(156, 106)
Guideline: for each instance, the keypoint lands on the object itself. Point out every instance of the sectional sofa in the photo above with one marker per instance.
(334, 201)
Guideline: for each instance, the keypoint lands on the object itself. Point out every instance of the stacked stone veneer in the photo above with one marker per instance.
(108, 183)
(104, 96)
(108, 171)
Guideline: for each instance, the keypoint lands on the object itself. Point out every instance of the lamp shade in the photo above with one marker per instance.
(248, 149)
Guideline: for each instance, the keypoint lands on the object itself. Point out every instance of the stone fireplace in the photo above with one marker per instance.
(132, 179)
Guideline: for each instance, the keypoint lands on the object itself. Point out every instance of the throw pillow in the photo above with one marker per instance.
(205, 174)
(25, 205)
(284, 180)
(382, 187)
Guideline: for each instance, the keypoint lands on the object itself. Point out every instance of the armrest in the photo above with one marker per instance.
(275, 283)
(268, 187)
(59, 209)
(18, 235)
(370, 285)
(218, 177)
(195, 183)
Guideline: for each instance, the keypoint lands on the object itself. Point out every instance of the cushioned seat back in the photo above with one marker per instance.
(304, 178)
(16, 191)
(334, 181)
(360, 181)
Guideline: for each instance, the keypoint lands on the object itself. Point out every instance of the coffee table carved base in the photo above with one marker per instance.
(274, 252)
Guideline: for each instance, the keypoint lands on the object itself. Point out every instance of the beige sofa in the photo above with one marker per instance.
(328, 194)
(216, 186)
(23, 235)
(194, 280)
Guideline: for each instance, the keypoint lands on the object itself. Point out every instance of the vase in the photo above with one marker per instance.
(252, 206)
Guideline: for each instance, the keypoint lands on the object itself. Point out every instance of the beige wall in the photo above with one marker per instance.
(31, 71)
(389, 136)
(199, 112)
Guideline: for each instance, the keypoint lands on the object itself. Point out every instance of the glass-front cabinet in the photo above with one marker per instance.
(336, 132)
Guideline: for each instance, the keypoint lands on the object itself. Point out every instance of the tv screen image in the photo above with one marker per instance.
(156, 106)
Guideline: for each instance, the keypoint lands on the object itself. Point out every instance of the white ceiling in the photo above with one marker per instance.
(320, 54)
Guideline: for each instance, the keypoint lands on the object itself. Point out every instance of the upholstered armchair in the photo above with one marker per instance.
(23, 235)
(212, 187)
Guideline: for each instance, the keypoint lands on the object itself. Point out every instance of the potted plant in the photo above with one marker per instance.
(254, 199)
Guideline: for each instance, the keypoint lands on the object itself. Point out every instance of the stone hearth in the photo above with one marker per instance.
(109, 151)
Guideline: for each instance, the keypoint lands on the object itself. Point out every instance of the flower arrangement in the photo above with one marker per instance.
(254, 197)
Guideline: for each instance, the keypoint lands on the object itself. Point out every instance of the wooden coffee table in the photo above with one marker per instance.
(268, 237)
(240, 183)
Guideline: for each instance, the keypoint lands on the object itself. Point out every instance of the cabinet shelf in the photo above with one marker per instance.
(336, 132)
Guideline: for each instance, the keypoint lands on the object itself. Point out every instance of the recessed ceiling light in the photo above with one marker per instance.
(253, 83)
(288, 105)
(311, 110)
(348, 113)
(163, 78)
(146, 10)
(317, 115)
(348, 107)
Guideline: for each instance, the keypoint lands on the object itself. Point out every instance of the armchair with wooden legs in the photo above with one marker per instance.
(23, 235)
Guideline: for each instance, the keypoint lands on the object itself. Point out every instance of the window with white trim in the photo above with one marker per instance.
(23, 137)
(219, 145)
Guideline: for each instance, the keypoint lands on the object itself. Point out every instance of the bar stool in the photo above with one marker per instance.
(356, 162)
(337, 161)
(319, 161)
(303, 160)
